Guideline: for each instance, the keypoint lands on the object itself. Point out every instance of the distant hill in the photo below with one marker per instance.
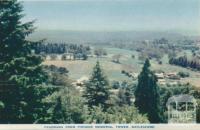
(84, 36)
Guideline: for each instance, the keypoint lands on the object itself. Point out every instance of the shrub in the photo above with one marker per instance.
(183, 74)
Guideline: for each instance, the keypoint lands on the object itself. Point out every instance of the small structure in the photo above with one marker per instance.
(80, 82)
(181, 109)
(160, 75)
(161, 78)
(173, 76)
(68, 56)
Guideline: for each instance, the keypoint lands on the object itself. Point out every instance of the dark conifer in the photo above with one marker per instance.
(97, 89)
(21, 74)
(146, 94)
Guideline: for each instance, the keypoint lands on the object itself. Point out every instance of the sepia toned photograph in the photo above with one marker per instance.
(100, 63)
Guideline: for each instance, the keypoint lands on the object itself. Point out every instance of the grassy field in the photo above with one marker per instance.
(80, 68)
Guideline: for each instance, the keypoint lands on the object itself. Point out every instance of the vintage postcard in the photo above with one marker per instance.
(99, 64)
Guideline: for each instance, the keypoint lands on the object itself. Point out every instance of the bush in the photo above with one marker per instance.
(115, 84)
(123, 71)
(125, 114)
(183, 74)
(64, 57)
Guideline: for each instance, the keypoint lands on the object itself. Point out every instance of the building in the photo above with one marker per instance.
(160, 75)
(173, 75)
(181, 109)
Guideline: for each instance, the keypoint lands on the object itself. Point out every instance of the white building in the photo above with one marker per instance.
(181, 109)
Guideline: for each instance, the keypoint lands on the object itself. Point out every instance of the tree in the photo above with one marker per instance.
(85, 57)
(97, 89)
(116, 58)
(119, 115)
(124, 96)
(147, 94)
(21, 74)
(64, 57)
(53, 57)
(100, 52)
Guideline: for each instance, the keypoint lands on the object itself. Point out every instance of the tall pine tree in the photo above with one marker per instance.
(147, 94)
(97, 89)
(21, 74)
(59, 113)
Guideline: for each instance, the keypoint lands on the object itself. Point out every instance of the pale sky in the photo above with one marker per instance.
(115, 15)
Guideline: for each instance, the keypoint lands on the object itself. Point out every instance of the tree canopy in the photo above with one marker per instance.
(22, 77)
(147, 94)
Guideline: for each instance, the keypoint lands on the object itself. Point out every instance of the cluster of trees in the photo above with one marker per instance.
(161, 41)
(155, 49)
(118, 85)
(98, 104)
(183, 74)
(145, 93)
(108, 107)
(185, 62)
(127, 73)
(187, 44)
(116, 58)
(78, 51)
(158, 47)
(99, 51)
(60, 48)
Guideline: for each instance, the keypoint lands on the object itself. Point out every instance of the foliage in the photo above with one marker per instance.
(78, 51)
(67, 106)
(125, 96)
(70, 109)
(115, 84)
(185, 62)
(147, 94)
(100, 52)
(125, 114)
(21, 74)
(97, 89)
(170, 90)
(57, 75)
(183, 74)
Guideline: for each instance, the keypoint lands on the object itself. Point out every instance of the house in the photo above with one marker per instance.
(68, 56)
(173, 75)
(160, 75)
